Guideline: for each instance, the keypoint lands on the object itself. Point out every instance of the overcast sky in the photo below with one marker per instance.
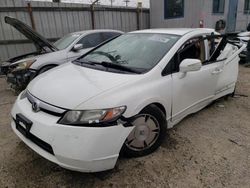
(132, 3)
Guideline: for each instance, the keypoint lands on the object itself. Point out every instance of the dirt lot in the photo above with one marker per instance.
(208, 149)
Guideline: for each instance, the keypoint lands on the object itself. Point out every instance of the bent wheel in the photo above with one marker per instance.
(145, 133)
(148, 133)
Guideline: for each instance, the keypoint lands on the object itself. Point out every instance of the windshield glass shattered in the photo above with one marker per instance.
(66, 41)
(136, 51)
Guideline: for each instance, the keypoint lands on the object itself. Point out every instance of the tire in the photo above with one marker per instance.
(233, 94)
(46, 68)
(148, 134)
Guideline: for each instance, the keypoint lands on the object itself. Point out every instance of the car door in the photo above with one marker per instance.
(227, 69)
(196, 89)
(226, 56)
(89, 42)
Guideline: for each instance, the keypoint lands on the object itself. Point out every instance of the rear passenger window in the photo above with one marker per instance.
(91, 40)
(109, 35)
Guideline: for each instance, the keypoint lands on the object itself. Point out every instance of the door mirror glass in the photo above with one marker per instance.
(77, 47)
(188, 65)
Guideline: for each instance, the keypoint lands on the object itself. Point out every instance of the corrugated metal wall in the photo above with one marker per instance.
(53, 20)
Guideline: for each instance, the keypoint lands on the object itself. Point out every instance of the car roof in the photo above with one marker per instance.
(96, 31)
(175, 31)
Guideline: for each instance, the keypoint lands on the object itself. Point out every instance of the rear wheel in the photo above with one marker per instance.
(149, 132)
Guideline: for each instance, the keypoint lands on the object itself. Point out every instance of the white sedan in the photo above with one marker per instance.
(121, 97)
(22, 69)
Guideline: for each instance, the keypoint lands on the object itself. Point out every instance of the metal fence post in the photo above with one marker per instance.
(139, 15)
(138, 18)
(92, 11)
(31, 16)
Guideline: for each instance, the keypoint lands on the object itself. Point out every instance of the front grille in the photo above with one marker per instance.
(50, 112)
(45, 107)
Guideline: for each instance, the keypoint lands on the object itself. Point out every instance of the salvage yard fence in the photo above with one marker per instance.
(54, 20)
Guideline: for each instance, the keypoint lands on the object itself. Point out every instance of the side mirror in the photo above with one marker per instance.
(77, 47)
(188, 65)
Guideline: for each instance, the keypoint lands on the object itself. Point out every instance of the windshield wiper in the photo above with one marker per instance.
(85, 62)
(119, 67)
(109, 65)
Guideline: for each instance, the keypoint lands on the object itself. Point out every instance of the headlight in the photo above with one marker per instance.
(91, 116)
(24, 65)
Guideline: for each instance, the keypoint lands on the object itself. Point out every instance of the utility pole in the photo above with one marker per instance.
(126, 1)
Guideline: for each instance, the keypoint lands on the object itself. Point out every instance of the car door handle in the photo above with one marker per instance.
(217, 71)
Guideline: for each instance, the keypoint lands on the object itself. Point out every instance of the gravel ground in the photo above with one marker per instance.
(208, 149)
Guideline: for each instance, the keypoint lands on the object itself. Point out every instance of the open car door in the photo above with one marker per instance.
(216, 77)
(226, 56)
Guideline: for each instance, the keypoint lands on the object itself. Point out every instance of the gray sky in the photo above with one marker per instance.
(132, 3)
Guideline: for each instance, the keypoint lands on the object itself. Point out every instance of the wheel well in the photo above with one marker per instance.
(160, 106)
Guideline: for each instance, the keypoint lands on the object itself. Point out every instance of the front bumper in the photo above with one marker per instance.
(20, 79)
(83, 149)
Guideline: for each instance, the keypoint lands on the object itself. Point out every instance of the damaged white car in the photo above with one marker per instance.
(121, 97)
(22, 69)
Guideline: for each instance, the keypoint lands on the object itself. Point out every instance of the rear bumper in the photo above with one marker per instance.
(84, 149)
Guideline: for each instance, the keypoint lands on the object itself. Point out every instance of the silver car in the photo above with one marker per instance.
(22, 69)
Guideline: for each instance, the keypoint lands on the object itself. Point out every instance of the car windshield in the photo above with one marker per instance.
(66, 41)
(134, 50)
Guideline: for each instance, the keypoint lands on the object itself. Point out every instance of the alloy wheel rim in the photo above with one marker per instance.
(145, 133)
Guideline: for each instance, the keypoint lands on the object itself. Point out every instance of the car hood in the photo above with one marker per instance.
(40, 42)
(69, 85)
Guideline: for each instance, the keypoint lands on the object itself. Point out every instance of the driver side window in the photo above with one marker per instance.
(191, 49)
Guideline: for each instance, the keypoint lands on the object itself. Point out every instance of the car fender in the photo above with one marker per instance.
(54, 58)
(136, 109)
(135, 96)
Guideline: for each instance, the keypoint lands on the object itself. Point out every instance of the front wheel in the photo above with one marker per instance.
(148, 133)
